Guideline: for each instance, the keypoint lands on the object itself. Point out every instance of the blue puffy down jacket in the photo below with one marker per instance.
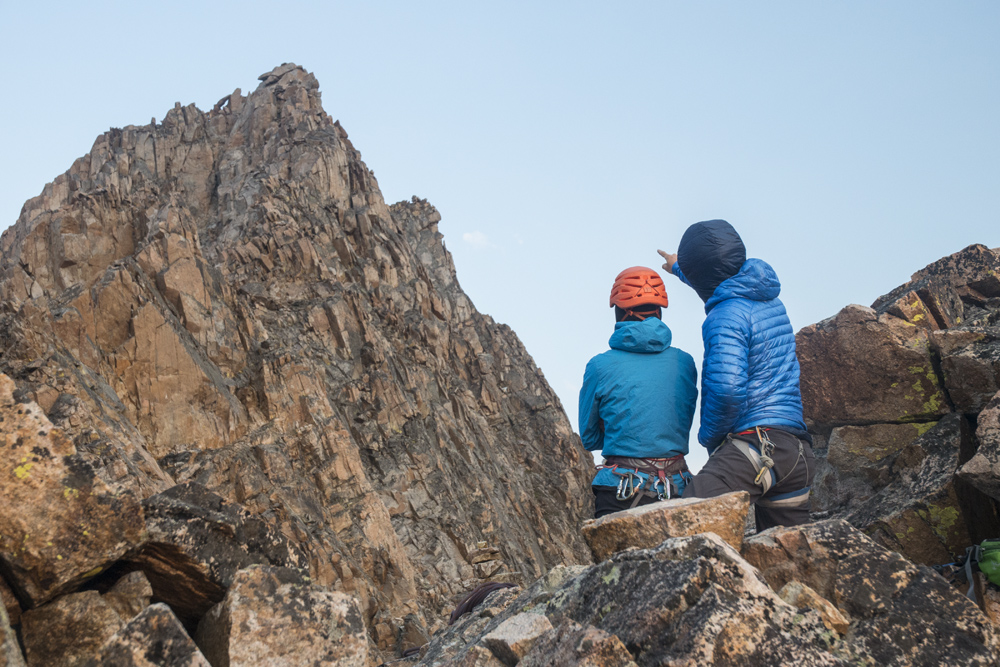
(638, 398)
(750, 374)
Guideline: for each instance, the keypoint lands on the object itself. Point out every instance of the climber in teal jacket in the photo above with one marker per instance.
(638, 400)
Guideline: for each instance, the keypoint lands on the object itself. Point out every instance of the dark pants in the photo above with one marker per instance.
(606, 501)
(728, 469)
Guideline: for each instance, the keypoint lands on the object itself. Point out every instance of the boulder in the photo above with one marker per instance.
(972, 372)
(939, 295)
(901, 613)
(801, 596)
(574, 645)
(983, 470)
(59, 523)
(988, 596)
(68, 631)
(513, 638)
(476, 656)
(129, 595)
(859, 462)
(860, 367)
(690, 601)
(10, 603)
(154, 638)
(197, 542)
(272, 615)
(649, 525)
(922, 512)
(10, 651)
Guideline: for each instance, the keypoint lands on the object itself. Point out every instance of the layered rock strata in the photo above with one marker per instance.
(895, 395)
(223, 298)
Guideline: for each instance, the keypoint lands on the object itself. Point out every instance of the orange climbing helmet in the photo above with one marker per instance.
(638, 286)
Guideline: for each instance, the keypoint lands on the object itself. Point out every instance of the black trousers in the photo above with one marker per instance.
(728, 469)
(606, 501)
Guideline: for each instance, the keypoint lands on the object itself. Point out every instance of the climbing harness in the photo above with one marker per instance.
(762, 461)
(641, 478)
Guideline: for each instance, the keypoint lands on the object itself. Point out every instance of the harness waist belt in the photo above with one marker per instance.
(671, 466)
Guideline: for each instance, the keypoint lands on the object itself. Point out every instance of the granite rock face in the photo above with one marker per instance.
(893, 395)
(224, 298)
(69, 631)
(274, 616)
(154, 638)
(60, 523)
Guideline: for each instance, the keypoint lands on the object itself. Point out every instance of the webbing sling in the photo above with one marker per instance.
(766, 480)
(763, 465)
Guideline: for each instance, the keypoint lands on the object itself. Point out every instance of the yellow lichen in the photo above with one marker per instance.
(23, 470)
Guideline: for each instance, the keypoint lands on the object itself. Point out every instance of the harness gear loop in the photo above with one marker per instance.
(649, 477)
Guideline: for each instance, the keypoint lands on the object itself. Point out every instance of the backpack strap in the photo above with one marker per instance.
(971, 565)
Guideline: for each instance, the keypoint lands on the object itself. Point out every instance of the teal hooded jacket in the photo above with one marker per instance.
(638, 398)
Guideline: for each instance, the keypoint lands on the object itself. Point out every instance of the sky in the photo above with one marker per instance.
(851, 143)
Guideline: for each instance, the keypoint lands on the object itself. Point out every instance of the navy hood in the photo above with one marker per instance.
(756, 281)
(710, 253)
(647, 337)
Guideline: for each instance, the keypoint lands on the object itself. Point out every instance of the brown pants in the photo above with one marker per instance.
(728, 469)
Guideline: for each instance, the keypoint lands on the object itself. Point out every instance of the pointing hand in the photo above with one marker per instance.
(668, 266)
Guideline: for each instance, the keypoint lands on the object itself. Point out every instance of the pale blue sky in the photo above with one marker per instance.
(851, 143)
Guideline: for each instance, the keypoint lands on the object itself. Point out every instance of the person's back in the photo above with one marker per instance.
(751, 373)
(637, 403)
(751, 412)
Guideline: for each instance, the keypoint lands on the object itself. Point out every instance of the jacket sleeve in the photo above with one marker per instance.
(676, 270)
(726, 334)
(591, 424)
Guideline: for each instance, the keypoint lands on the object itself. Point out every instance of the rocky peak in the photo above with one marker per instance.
(224, 298)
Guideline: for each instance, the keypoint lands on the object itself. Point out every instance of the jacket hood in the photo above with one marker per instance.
(756, 281)
(646, 337)
(710, 253)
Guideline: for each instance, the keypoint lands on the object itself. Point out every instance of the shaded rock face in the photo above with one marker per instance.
(901, 613)
(895, 396)
(224, 298)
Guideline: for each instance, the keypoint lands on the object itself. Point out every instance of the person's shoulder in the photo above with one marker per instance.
(730, 312)
(683, 356)
(602, 360)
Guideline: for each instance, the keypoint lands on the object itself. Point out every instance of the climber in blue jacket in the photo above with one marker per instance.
(638, 400)
(751, 408)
